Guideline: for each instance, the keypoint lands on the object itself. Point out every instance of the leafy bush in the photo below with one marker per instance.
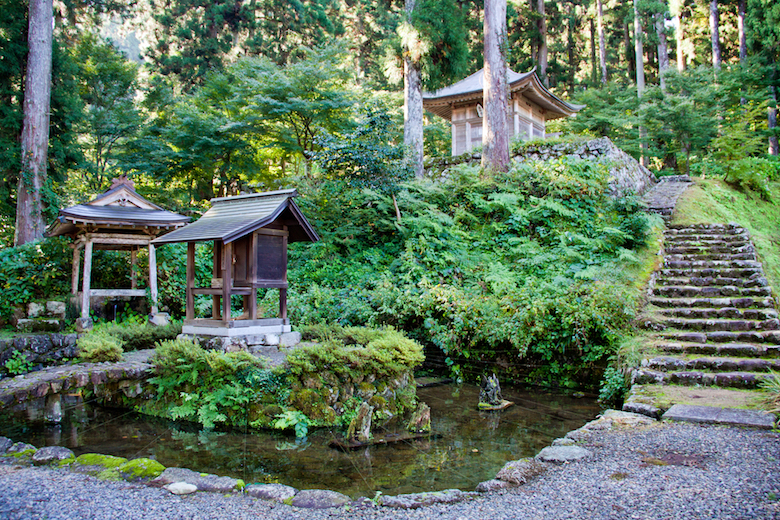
(18, 364)
(98, 347)
(613, 387)
(139, 336)
(771, 385)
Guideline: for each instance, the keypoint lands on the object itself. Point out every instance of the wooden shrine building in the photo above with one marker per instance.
(250, 235)
(119, 219)
(531, 105)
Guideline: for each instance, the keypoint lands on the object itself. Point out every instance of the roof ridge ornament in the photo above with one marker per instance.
(120, 181)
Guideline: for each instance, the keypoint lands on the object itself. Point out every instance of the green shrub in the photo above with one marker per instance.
(18, 364)
(98, 347)
(139, 336)
(613, 388)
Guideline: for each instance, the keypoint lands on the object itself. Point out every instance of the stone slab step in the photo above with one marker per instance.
(722, 349)
(725, 264)
(713, 281)
(710, 249)
(708, 257)
(717, 415)
(740, 303)
(707, 240)
(711, 364)
(691, 291)
(721, 325)
(692, 378)
(692, 228)
(719, 313)
(770, 337)
(746, 272)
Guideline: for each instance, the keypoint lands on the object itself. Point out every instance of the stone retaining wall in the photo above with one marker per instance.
(626, 174)
(42, 350)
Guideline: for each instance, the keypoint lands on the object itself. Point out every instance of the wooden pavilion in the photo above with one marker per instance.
(119, 219)
(531, 105)
(250, 235)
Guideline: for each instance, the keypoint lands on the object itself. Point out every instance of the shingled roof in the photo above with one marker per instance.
(118, 207)
(471, 88)
(230, 218)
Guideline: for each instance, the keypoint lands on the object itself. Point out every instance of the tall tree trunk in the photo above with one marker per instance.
(542, 26)
(630, 63)
(774, 146)
(413, 107)
(742, 35)
(640, 77)
(680, 36)
(593, 67)
(715, 33)
(570, 48)
(663, 49)
(495, 134)
(602, 42)
(35, 127)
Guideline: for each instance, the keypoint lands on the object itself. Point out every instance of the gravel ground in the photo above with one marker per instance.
(679, 471)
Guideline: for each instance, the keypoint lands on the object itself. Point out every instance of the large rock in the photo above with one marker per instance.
(203, 482)
(319, 499)
(561, 454)
(50, 454)
(274, 492)
(520, 471)
(416, 500)
(181, 488)
(492, 485)
(5, 443)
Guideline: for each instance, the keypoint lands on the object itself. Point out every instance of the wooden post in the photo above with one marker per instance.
(74, 277)
(190, 312)
(133, 268)
(227, 279)
(86, 279)
(252, 271)
(153, 277)
(216, 272)
(283, 303)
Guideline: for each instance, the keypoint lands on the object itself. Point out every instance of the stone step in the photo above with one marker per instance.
(704, 228)
(713, 364)
(707, 257)
(712, 281)
(691, 378)
(770, 337)
(701, 272)
(722, 349)
(690, 291)
(740, 303)
(720, 264)
(706, 240)
(697, 250)
(721, 325)
(719, 313)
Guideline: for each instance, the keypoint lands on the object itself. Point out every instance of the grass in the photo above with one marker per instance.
(664, 396)
(713, 201)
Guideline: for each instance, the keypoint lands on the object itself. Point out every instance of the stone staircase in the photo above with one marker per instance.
(711, 311)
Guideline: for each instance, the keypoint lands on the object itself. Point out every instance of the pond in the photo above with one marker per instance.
(471, 446)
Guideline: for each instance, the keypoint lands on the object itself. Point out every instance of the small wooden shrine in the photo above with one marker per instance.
(250, 235)
(531, 105)
(119, 219)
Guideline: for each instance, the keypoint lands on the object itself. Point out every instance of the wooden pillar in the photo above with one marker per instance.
(227, 279)
(216, 272)
(252, 272)
(134, 268)
(283, 303)
(153, 277)
(74, 277)
(190, 312)
(86, 279)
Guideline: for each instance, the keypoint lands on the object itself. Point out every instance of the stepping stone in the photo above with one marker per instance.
(713, 415)
(561, 454)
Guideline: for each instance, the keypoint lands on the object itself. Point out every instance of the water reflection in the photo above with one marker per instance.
(473, 445)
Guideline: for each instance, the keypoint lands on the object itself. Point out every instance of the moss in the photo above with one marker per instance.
(140, 469)
(66, 462)
(98, 459)
(109, 474)
(23, 453)
(378, 402)
(240, 485)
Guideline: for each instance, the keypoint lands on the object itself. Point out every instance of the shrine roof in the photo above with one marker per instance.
(230, 218)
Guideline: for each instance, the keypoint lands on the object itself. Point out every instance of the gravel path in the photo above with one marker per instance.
(674, 471)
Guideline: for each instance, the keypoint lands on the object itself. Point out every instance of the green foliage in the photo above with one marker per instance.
(613, 387)
(32, 272)
(386, 353)
(208, 387)
(771, 385)
(99, 347)
(526, 268)
(18, 364)
(138, 336)
(293, 419)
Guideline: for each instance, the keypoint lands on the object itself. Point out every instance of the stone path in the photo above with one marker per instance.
(662, 198)
(715, 323)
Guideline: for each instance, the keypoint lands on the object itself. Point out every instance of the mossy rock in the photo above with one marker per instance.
(140, 469)
(378, 402)
(99, 464)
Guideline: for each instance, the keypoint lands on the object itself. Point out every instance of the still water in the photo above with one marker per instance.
(471, 446)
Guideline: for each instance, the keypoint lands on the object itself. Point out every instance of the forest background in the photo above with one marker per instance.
(197, 99)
